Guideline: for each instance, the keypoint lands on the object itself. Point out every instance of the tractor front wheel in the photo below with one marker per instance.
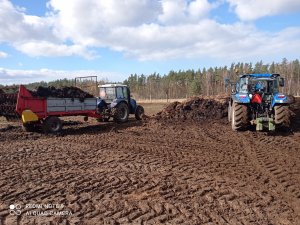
(120, 113)
(282, 116)
(239, 116)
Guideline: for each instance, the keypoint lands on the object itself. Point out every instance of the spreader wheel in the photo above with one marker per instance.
(52, 125)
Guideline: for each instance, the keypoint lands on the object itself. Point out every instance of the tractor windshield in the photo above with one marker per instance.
(267, 86)
(243, 85)
(246, 85)
(111, 93)
(108, 93)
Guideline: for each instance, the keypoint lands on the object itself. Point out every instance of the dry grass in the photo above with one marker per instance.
(153, 108)
(156, 105)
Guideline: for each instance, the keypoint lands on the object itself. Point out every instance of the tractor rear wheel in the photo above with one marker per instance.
(52, 125)
(282, 116)
(139, 112)
(120, 113)
(239, 116)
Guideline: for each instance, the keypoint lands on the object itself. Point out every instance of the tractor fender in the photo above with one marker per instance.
(279, 99)
(117, 102)
(240, 98)
(133, 105)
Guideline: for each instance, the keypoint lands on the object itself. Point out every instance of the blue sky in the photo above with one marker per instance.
(47, 40)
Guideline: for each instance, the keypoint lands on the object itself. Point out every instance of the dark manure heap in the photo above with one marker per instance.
(65, 92)
(196, 108)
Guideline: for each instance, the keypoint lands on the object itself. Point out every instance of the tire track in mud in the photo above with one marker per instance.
(155, 174)
(278, 157)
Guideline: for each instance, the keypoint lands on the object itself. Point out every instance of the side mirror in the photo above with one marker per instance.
(281, 82)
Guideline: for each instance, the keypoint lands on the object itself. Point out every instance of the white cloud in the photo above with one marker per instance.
(254, 9)
(205, 39)
(10, 76)
(147, 29)
(3, 54)
(87, 22)
(44, 48)
(16, 26)
(181, 11)
(34, 35)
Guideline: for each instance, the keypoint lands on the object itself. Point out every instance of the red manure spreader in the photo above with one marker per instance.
(44, 111)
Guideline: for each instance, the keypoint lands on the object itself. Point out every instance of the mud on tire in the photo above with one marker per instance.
(120, 113)
(282, 116)
(239, 116)
(139, 112)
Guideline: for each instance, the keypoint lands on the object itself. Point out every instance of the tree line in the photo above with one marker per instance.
(186, 83)
(208, 81)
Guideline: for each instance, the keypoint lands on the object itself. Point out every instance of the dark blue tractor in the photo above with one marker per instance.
(256, 100)
(115, 102)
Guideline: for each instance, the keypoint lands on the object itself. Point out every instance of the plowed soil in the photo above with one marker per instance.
(152, 172)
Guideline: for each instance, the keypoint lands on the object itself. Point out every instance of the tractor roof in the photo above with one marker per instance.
(261, 75)
(112, 85)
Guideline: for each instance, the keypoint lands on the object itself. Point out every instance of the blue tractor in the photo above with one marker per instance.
(115, 102)
(256, 100)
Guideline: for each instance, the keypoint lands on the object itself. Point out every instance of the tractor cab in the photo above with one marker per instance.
(115, 101)
(268, 84)
(113, 94)
(110, 92)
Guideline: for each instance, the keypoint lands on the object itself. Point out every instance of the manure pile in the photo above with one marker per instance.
(65, 92)
(196, 108)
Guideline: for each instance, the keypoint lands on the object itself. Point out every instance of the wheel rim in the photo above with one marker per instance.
(55, 126)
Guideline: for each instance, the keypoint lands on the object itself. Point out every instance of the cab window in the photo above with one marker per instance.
(125, 92)
(120, 93)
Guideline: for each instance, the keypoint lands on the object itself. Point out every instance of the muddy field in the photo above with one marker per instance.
(150, 172)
